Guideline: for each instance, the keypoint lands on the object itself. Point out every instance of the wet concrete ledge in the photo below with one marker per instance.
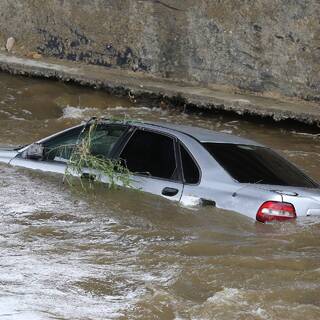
(139, 85)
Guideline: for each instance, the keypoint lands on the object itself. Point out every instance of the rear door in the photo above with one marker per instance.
(152, 158)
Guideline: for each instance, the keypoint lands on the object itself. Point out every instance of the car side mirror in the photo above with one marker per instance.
(34, 152)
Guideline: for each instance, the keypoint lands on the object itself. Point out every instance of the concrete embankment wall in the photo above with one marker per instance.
(255, 45)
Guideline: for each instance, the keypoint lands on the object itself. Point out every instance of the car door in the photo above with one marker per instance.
(152, 158)
(104, 141)
(58, 149)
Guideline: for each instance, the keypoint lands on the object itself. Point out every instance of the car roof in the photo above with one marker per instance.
(200, 134)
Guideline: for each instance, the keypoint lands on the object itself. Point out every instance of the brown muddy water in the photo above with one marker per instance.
(66, 254)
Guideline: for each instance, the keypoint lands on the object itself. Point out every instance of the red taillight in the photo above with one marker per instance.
(276, 211)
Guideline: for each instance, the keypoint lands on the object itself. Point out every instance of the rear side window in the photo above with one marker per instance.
(151, 154)
(254, 164)
(191, 173)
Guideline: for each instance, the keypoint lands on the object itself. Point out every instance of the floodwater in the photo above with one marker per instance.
(69, 254)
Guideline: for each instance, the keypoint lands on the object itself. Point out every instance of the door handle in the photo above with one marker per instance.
(88, 176)
(169, 192)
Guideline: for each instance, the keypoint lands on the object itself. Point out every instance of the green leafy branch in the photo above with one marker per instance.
(95, 167)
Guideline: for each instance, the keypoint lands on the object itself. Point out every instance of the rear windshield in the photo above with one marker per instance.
(253, 164)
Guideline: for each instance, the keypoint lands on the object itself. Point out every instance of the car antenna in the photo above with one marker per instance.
(246, 186)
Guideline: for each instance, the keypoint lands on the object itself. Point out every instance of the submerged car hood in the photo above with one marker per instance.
(9, 148)
(7, 153)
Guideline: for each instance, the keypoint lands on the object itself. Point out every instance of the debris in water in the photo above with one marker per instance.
(132, 97)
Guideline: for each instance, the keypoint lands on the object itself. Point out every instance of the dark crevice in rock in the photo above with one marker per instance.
(163, 4)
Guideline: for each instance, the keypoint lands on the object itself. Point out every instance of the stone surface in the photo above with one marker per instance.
(255, 45)
(10, 44)
(158, 90)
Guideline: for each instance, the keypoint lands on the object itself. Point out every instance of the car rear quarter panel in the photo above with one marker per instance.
(305, 206)
(217, 186)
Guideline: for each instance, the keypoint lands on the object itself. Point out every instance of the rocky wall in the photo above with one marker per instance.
(255, 45)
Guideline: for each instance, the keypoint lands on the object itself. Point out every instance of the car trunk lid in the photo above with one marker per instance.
(307, 200)
(291, 191)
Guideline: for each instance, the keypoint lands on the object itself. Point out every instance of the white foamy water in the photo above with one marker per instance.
(70, 112)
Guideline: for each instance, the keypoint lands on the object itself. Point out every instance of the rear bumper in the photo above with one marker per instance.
(313, 212)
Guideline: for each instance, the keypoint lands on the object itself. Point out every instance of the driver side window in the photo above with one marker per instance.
(103, 139)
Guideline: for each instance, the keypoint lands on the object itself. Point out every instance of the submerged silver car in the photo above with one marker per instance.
(186, 164)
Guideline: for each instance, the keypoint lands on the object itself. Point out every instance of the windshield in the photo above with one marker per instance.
(254, 164)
